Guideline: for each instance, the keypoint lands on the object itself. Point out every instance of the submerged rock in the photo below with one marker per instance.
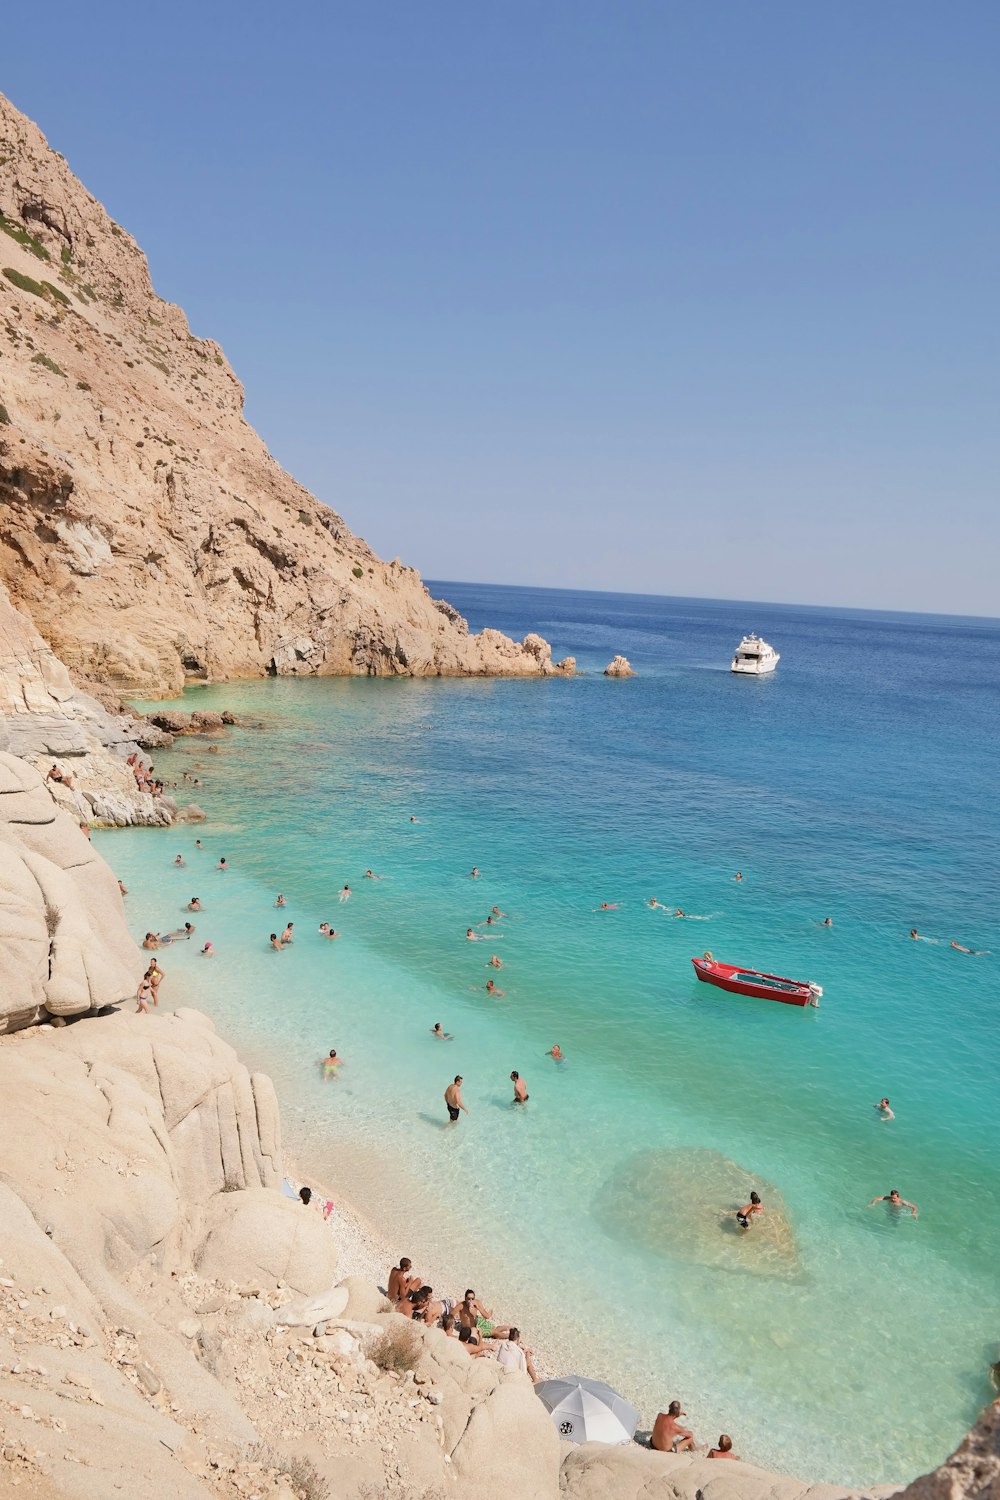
(683, 1204)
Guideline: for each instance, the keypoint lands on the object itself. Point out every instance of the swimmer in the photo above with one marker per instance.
(208, 951)
(746, 1215)
(370, 875)
(325, 930)
(556, 1053)
(275, 942)
(895, 1201)
(495, 962)
(345, 894)
(198, 844)
(883, 1108)
(286, 936)
(827, 921)
(194, 904)
(470, 936)
(180, 932)
(491, 989)
(652, 903)
(678, 913)
(520, 1088)
(606, 906)
(474, 873)
(279, 900)
(972, 952)
(916, 935)
(222, 865)
(442, 1036)
(738, 875)
(179, 861)
(496, 912)
(331, 1063)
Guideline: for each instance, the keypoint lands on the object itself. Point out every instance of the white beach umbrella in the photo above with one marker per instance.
(588, 1411)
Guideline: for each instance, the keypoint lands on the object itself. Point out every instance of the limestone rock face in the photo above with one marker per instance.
(973, 1470)
(257, 1234)
(619, 667)
(64, 944)
(144, 526)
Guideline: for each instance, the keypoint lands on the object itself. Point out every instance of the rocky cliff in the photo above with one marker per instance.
(144, 527)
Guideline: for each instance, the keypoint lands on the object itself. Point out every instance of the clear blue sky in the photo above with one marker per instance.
(693, 298)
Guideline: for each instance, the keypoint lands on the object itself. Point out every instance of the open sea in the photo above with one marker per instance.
(859, 782)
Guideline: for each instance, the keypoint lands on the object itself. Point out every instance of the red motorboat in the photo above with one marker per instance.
(752, 982)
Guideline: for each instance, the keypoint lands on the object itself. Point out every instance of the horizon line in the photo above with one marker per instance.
(853, 609)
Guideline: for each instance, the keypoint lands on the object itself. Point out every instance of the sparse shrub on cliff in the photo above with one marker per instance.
(4, 416)
(65, 255)
(305, 518)
(398, 1349)
(304, 1479)
(52, 915)
(358, 572)
(26, 283)
(54, 291)
(83, 385)
(49, 364)
(19, 233)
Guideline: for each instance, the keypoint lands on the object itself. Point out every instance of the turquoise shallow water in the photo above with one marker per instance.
(857, 783)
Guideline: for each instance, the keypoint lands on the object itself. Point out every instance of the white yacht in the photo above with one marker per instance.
(755, 657)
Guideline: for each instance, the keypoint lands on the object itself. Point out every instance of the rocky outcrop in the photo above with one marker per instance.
(144, 526)
(618, 667)
(45, 718)
(64, 944)
(973, 1470)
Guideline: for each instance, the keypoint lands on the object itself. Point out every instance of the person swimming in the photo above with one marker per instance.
(279, 900)
(494, 962)
(442, 1036)
(179, 861)
(491, 989)
(208, 951)
(474, 873)
(345, 894)
(276, 943)
(194, 904)
(883, 1108)
(331, 1063)
(827, 921)
(606, 906)
(222, 865)
(325, 930)
(556, 1053)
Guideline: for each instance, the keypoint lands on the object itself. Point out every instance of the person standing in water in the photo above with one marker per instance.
(750, 1211)
(345, 894)
(520, 1088)
(883, 1108)
(331, 1063)
(556, 1053)
(453, 1099)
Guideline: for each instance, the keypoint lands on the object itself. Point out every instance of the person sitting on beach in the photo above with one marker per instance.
(419, 1300)
(275, 942)
(179, 861)
(520, 1088)
(556, 1053)
(401, 1280)
(194, 904)
(345, 894)
(724, 1449)
(494, 962)
(883, 1108)
(895, 1201)
(442, 1036)
(286, 936)
(222, 865)
(475, 1319)
(668, 1435)
(305, 1193)
(151, 940)
(331, 1063)
(280, 900)
(513, 1356)
(746, 1215)
(61, 776)
(208, 951)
